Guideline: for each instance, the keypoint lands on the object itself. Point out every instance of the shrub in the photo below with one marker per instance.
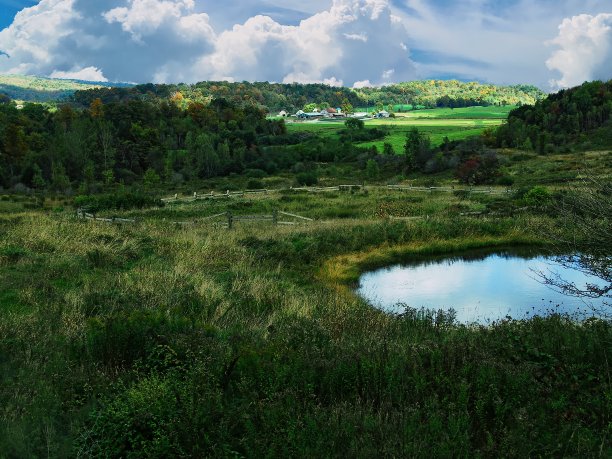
(537, 196)
(505, 180)
(255, 173)
(307, 178)
(478, 170)
(255, 184)
(116, 201)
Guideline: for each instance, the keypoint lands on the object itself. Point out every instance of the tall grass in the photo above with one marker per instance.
(162, 341)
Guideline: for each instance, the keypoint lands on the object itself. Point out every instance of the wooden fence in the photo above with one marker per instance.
(431, 189)
(240, 194)
(341, 188)
(226, 219)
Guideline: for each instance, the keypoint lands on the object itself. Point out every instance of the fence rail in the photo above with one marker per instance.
(226, 219)
(237, 194)
(431, 189)
(240, 194)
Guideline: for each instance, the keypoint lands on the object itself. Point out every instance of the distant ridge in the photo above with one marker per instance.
(275, 97)
(42, 89)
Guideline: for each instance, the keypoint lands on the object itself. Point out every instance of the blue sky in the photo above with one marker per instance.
(8, 9)
(549, 43)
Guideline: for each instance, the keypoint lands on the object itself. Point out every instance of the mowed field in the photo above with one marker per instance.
(456, 124)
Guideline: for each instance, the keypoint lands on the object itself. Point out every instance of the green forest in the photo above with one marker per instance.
(575, 115)
(293, 97)
(276, 97)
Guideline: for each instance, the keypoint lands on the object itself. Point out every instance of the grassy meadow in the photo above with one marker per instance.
(456, 124)
(156, 339)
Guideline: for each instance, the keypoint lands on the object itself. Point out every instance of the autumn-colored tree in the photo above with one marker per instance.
(178, 99)
(96, 108)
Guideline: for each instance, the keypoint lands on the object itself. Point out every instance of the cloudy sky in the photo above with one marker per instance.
(549, 43)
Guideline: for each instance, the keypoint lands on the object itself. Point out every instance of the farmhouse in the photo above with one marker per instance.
(310, 116)
(383, 114)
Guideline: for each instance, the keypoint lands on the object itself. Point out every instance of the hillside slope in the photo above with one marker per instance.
(39, 89)
(292, 97)
(580, 114)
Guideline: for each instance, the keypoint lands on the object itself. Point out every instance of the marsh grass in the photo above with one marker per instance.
(153, 340)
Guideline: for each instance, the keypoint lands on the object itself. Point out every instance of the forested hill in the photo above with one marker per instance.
(580, 114)
(39, 89)
(292, 97)
(272, 96)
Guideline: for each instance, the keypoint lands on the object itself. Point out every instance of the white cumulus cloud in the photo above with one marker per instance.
(362, 84)
(174, 41)
(330, 46)
(585, 50)
(122, 40)
(87, 74)
(146, 17)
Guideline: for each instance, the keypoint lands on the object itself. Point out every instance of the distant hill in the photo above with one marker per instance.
(578, 115)
(291, 97)
(39, 89)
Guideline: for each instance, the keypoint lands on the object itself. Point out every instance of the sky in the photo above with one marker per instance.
(548, 43)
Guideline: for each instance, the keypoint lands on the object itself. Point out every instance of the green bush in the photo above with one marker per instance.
(307, 178)
(505, 180)
(255, 173)
(254, 184)
(537, 196)
(116, 201)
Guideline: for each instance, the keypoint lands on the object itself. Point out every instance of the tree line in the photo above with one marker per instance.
(274, 97)
(562, 119)
(150, 143)
(126, 142)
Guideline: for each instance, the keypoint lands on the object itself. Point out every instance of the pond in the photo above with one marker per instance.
(481, 286)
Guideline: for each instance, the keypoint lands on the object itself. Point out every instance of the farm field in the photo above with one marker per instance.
(456, 124)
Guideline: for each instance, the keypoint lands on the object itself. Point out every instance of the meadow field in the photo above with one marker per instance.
(176, 337)
(456, 124)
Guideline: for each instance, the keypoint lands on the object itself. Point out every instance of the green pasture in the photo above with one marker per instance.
(435, 123)
(492, 112)
(437, 130)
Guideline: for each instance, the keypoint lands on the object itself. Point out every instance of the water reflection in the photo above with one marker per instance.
(481, 286)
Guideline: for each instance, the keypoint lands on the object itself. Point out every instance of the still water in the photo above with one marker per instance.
(481, 287)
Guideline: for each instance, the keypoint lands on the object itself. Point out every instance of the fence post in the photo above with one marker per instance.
(275, 217)
(230, 220)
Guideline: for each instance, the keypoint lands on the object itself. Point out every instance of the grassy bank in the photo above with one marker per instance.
(162, 340)
(346, 269)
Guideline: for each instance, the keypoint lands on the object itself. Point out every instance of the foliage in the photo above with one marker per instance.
(537, 196)
(307, 178)
(38, 89)
(116, 201)
(479, 170)
(587, 212)
(354, 124)
(372, 169)
(293, 97)
(130, 142)
(559, 119)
